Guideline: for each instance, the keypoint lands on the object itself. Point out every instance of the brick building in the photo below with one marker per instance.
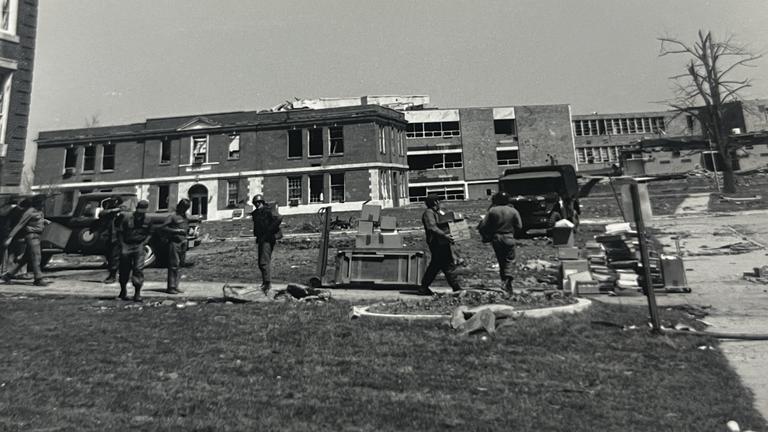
(18, 28)
(460, 153)
(303, 159)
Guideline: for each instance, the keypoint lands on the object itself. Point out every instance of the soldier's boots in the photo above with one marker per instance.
(40, 282)
(7, 278)
(266, 287)
(137, 295)
(110, 279)
(123, 294)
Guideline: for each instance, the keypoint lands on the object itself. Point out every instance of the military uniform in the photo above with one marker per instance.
(111, 220)
(500, 226)
(176, 226)
(441, 251)
(134, 234)
(33, 222)
(266, 229)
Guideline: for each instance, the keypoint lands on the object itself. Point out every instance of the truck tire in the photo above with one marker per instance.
(150, 257)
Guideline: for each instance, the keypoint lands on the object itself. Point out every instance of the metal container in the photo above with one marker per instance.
(379, 267)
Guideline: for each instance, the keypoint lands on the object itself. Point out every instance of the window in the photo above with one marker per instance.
(315, 142)
(445, 193)
(294, 190)
(685, 160)
(199, 149)
(581, 155)
(316, 184)
(336, 140)
(508, 157)
(432, 130)
(8, 16)
(435, 161)
(70, 158)
(664, 162)
(382, 143)
(294, 144)
(504, 127)
(234, 147)
(89, 160)
(689, 123)
(165, 151)
(233, 193)
(5, 103)
(108, 157)
(67, 202)
(337, 187)
(163, 197)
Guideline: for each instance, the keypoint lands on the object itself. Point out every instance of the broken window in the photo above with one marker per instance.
(233, 193)
(337, 187)
(433, 130)
(70, 158)
(294, 143)
(165, 151)
(89, 159)
(294, 190)
(577, 128)
(315, 142)
(435, 161)
(234, 147)
(508, 157)
(444, 193)
(200, 149)
(336, 139)
(108, 157)
(163, 197)
(316, 186)
(504, 127)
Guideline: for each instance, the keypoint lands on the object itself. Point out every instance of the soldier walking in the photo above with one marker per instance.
(176, 227)
(111, 218)
(134, 234)
(266, 229)
(440, 243)
(499, 226)
(30, 225)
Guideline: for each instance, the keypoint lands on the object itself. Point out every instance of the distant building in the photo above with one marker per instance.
(303, 159)
(18, 28)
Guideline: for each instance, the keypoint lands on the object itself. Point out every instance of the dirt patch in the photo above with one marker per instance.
(444, 304)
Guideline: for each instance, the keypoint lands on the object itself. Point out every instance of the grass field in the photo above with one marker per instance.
(80, 365)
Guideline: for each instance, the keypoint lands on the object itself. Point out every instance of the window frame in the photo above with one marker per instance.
(338, 139)
(335, 186)
(320, 198)
(300, 133)
(288, 188)
(13, 16)
(74, 162)
(85, 158)
(160, 188)
(192, 140)
(232, 137)
(499, 130)
(163, 143)
(231, 190)
(317, 132)
(507, 162)
(6, 89)
(104, 156)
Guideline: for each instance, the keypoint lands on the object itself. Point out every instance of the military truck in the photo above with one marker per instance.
(83, 233)
(543, 195)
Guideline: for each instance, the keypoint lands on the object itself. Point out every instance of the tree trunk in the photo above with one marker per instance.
(729, 179)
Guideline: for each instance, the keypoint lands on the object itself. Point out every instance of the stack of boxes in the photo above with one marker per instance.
(368, 237)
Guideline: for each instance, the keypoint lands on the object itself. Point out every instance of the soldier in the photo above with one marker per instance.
(111, 218)
(134, 234)
(6, 225)
(31, 225)
(440, 247)
(499, 226)
(176, 227)
(266, 229)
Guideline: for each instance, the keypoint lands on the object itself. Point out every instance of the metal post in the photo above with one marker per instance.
(322, 259)
(714, 167)
(645, 259)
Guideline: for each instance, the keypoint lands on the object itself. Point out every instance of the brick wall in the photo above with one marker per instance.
(21, 88)
(544, 130)
(478, 143)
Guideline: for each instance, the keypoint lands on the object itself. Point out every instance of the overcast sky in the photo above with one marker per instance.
(124, 61)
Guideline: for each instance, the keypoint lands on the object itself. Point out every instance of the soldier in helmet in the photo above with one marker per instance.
(110, 219)
(30, 225)
(134, 234)
(266, 229)
(499, 227)
(175, 228)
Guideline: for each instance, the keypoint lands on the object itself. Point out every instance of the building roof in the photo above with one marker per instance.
(223, 122)
(697, 142)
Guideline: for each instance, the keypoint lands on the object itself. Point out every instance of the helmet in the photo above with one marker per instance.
(258, 198)
(183, 205)
(500, 198)
(142, 206)
(431, 200)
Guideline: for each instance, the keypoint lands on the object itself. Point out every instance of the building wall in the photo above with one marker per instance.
(21, 50)
(478, 143)
(755, 113)
(545, 130)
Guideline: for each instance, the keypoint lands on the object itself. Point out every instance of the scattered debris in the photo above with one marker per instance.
(757, 275)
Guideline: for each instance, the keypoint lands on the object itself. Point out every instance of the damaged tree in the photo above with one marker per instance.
(707, 87)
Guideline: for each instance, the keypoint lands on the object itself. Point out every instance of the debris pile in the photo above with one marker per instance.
(757, 275)
(242, 294)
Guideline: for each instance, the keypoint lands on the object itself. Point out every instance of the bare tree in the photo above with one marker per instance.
(92, 120)
(707, 86)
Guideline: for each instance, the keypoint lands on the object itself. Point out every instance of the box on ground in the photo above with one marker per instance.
(391, 240)
(365, 227)
(562, 236)
(57, 234)
(388, 223)
(368, 240)
(370, 212)
(567, 253)
(573, 266)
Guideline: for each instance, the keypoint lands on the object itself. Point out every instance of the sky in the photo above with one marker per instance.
(123, 61)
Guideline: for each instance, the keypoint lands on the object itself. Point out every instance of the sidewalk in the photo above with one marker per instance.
(155, 290)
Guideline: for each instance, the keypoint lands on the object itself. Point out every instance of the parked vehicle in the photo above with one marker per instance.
(543, 195)
(83, 233)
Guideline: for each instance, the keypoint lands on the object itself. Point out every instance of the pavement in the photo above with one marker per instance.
(714, 275)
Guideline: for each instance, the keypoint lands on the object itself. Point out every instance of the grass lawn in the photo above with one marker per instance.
(75, 364)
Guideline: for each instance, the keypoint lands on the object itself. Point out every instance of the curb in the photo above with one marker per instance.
(580, 305)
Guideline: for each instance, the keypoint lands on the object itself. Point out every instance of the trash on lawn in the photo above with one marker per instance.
(757, 275)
